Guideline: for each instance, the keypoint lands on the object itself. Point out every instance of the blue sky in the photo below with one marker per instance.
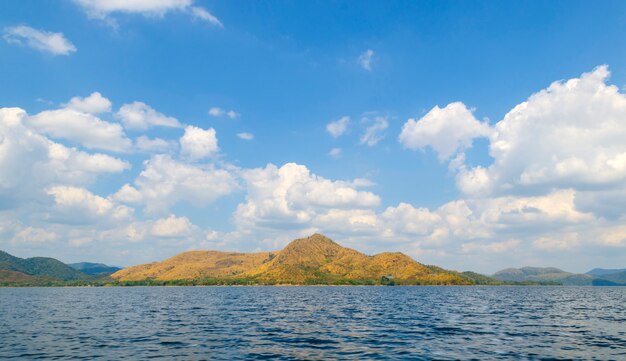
(481, 182)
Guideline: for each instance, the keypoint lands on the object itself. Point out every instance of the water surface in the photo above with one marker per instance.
(313, 323)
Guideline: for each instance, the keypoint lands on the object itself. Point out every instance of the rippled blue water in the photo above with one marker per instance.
(313, 323)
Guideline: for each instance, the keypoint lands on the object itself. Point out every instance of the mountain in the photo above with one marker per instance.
(93, 269)
(543, 275)
(38, 266)
(480, 279)
(313, 260)
(618, 278)
(595, 277)
(599, 272)
(531, 274)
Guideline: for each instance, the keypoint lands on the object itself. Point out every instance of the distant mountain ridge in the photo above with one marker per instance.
(605, 271)
(558, 276)
(312, 260)
(93, 269)
(39, 267)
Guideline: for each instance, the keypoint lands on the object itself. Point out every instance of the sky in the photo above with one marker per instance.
(473, 135)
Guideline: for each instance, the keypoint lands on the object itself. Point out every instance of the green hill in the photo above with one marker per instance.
(313, 260)
(480, 279)
(40, 266)
(617, 278)
(536, 274)
(599, 272)
(545, 275)
(596, 277)
(93, 269)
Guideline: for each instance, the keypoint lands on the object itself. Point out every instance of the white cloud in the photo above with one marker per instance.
(78, 205)
(128, 194)
(135, 232)
(79, 242)
(219, 112)
(569, 135)
(216, 112)
(447, 130)
(53, 43)
(549, 243)
(335, 152)
(613, 236)
(95, 103)
(203, 14)
(83, 128)
(73, 162)
(102, 9)
(171, 227)
(29, 162)
(365, 59)
(145, 7)
(140, 116)
(165, 182)
(30, 235)
(198, 143)
(555, 208)
(493, 247)
(245, 136)
(66, 197)
(338, 127)
(156, 145)
(374, 132)
(290, 196)
(408, 220)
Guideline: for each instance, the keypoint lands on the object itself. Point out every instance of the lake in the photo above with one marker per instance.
(313, 323)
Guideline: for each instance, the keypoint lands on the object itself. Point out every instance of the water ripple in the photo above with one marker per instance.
(313, 323)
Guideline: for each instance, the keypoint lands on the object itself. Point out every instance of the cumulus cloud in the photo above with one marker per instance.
(374, 133)
(556, 185)
(30, 235)
(365, 59)
(156, 145)
(614, 236)
(83, 128)
(77, 205)
(128, 194)
(290, 196)
(164, 182)
(94, 103)
(569, 135)
(49, 42)
(171, 227)
(338, 127)
(65, 196)
(447, 130)
(73, 163)
(29, 161)
(408, 220)
(103, 9)
(140, 116)
(198, 143)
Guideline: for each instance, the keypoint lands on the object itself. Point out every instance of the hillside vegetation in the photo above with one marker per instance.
(93, 269)
(551, 275)
(40, 267)
(313, 260)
